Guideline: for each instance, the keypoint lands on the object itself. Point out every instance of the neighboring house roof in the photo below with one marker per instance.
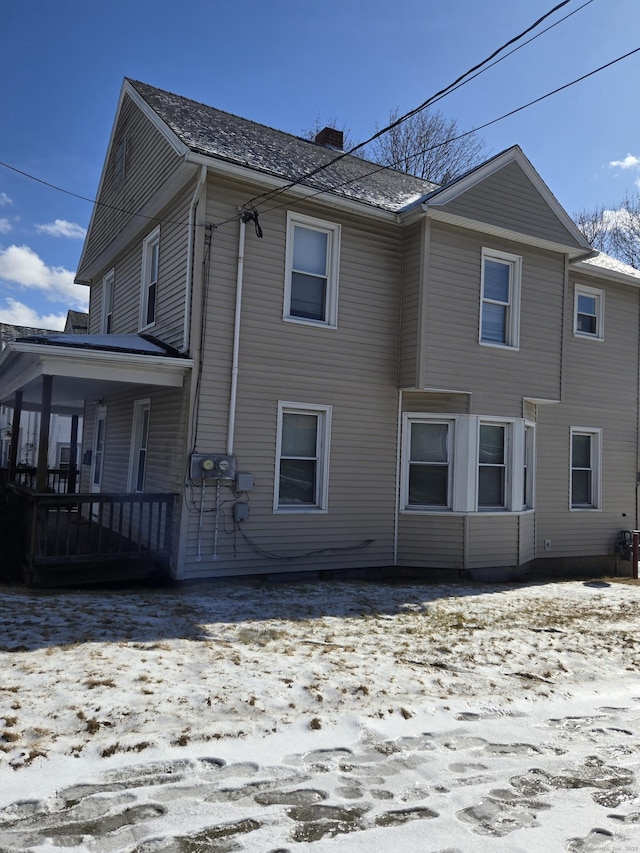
(214, 133)
(77, 322)
(9, 332)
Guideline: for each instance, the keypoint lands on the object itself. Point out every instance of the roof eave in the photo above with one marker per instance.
(252, 175)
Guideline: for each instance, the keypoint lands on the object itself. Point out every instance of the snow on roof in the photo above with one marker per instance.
(212, 132)
(144, 344)
(606, 262)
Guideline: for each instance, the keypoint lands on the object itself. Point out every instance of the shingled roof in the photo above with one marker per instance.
(214, 133)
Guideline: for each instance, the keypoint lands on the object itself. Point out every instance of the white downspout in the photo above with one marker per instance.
(186, 333)
(236, 340)
(396, 518)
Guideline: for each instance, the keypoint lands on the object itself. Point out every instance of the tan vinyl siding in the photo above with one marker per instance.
(352, 368)
(149, 161)
(127, 285)
(509, 200)
(410, 321)
(493, 540)
(453, 358)
(431, 541)
(435, 403)
(601, 391)
(527, 543)
(165, 458)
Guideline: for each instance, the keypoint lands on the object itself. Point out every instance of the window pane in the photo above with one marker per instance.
(310, 251)
(299, 435)
(581, 451)
(307, 296)
(151, 304)
(153, 262)
(142, 461)
(586, 304)
(496, 281)
(491, 444)
(494, 323)
(581, 488)
(587, 324)
(297, 481)
(491, 486)
(428, 485)
(429, 442)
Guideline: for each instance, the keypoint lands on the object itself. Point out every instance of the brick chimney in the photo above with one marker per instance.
(331, 138)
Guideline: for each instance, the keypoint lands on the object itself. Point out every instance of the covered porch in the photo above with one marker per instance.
(68, 529)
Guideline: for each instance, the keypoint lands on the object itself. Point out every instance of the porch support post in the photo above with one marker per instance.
(15, 436)
(73, 456)
(43, 443)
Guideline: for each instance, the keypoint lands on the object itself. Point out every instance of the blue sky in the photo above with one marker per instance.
(286, 63)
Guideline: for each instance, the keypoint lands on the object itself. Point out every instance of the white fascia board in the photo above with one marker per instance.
(540, 400)
(160, 125)
(252, 176)
(138, 223)
(98, 364)
(169, 135)
(504, 233)
(491, 167)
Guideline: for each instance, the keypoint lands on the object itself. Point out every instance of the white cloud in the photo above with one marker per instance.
(21, 265)
(5, 226)
(62, 228)
(19, 314)
(5, 200)
(629, 162)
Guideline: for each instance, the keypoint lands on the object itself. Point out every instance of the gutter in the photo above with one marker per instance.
(236, 339)
(186, 333)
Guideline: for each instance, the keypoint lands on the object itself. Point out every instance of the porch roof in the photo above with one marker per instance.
(86, 367)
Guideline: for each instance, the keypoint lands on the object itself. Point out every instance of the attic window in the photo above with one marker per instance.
(119, 161)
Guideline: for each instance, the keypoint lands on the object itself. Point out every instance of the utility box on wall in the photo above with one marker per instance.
(212, 466)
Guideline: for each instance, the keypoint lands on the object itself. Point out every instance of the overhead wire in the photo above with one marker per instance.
(264, 198)
(486, 124)
(441, 93)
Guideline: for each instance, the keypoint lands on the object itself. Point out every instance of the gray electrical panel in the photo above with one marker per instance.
(244, 482)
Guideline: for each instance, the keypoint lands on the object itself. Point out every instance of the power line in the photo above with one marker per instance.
(458, 81)
(486, 124)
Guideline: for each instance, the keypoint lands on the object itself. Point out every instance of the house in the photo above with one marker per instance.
(306, 362)
(29, 428)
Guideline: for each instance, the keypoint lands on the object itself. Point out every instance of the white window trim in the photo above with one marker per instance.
(106, 326)
(323, 439)
(464, 441)
(598, 295)
(596, 469)
(409, 420)
(513, 311)
(139, 407)
(529, 459)
(148, 243)
(333, 230)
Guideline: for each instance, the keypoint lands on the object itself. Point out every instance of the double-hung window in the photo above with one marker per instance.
(150, 266)
(302, 462)
(467, 464)
(139, 445)
(311, 280)
(429, 464)
(500, 299)
(588, 315)
(492, 466)
(585, 468)
(107, 302)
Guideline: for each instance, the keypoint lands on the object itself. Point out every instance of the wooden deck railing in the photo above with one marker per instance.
(57, 479)
(89, 529)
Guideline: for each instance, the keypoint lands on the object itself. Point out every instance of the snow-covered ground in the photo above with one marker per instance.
(324, 716)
